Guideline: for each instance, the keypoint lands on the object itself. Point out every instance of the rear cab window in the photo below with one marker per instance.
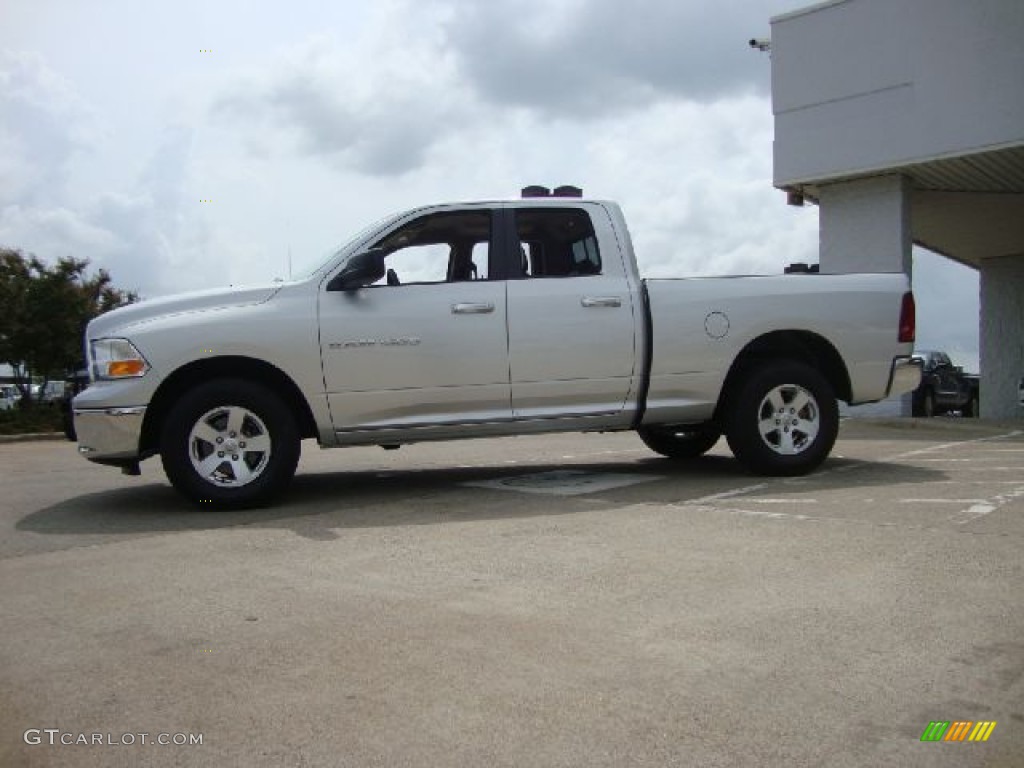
(556, 242)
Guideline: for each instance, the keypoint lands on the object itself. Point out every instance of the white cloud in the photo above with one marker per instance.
(603, 57)
(138, 233)
(373, 106)
(695, 182)
(43, 123)
(57, 232)
(308, 122)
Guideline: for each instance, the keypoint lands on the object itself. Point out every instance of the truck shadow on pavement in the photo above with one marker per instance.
(319, 503)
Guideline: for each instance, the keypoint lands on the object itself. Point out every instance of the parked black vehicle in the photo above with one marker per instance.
(944, 387)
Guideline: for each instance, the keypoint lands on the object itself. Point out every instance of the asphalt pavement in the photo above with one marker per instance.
(567, 600)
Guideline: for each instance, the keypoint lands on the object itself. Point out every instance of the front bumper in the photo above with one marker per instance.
(904, 376)
(109, 433)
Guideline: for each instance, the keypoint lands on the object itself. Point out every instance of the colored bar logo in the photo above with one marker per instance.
(958, 730)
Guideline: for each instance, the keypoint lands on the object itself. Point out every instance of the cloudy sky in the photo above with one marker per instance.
(197, 143)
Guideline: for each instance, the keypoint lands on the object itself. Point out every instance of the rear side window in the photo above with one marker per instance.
(557, 242)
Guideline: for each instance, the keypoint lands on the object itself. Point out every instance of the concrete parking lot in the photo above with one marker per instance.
(536, 601)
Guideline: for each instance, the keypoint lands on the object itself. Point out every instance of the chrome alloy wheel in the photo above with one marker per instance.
(788, 419)
(229, 446)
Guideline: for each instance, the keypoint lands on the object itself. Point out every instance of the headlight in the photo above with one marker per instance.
(116, 359)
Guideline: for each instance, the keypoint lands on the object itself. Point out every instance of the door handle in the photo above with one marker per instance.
(601, 301)
(472, 309)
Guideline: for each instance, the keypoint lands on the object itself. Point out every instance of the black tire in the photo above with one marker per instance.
(928, 405)
(783, 419)
(242, 417)
(67, 419)
(973, 408)
(680, 442)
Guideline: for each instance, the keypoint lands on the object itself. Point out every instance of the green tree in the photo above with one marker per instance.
(43, 313)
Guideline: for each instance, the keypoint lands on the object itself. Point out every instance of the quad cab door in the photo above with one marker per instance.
(425, 346)
(571, 326)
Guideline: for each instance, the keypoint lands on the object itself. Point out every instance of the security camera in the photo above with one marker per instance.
(760, 44)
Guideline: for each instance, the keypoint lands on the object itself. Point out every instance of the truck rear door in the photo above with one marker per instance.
(571, 328)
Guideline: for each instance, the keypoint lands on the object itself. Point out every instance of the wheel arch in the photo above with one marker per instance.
(229, 366)
(803, 346)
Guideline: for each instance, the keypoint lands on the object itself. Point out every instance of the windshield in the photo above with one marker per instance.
(311, 265)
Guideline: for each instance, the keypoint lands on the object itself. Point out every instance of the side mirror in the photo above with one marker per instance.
(361, 270)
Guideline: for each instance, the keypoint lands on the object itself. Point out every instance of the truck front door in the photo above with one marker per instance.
(427, 345)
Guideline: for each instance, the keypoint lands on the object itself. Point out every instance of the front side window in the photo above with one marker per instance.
(453, 246)
(557, 242)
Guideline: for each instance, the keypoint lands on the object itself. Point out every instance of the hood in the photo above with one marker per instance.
(180, 303)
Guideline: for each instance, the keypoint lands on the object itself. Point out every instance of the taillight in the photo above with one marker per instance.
(908, 319)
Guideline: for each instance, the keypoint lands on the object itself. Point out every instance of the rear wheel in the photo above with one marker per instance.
(230, 444)
(783, 419)
(680, 442)
(973, 407)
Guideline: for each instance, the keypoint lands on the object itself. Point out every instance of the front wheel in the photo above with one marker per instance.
(229, 444)
(783, 419)
(680, 442)
(928, 405)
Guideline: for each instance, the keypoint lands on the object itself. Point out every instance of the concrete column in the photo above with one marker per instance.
(865, 225)
(1002, 336)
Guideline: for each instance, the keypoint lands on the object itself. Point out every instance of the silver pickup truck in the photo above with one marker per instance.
(484, 319)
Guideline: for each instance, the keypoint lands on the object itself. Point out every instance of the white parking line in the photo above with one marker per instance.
(751, 512)
(977, 507)
(987, 506)
(781, 501)
(975, 470)
(943, 501)
(955, 444)
(975, 482)
(974, 512)
(727, 494)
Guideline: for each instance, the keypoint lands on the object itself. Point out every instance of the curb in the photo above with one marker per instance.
(32, 437)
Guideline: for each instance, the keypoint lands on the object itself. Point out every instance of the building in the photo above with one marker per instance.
(904, 121)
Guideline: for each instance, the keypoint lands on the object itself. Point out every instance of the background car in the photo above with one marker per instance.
(8, 396)
(51, 393)
(944, 387)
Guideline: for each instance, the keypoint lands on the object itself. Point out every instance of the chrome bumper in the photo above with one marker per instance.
(109, 433)
(904, 376)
